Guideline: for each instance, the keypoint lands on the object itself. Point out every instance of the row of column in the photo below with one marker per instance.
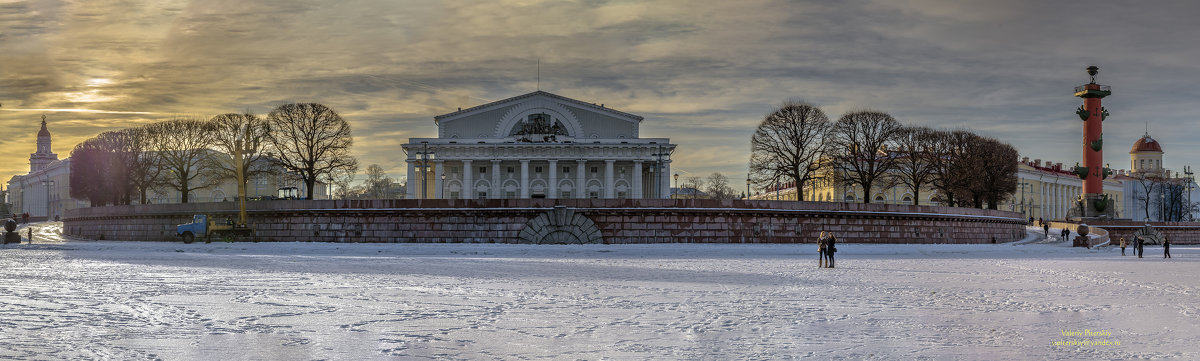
(416, 179)
(1058, 199)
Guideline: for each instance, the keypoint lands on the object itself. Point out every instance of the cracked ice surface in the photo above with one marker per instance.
(138, 300)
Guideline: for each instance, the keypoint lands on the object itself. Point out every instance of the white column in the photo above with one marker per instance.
(412, 185)
(665, 180)
(637, 179)
(553, 179)
(524, 178)
(609, 187)
(468, 191)
(580, 187)
(497, 192)
(438, 171)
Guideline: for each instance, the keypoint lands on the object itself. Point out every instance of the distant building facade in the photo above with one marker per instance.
(45, 192)
(538, 145)
(1152, 192)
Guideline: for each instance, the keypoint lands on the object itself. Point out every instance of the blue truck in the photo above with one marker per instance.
(202, 227)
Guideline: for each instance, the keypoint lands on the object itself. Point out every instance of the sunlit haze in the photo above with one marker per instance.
(703, 73)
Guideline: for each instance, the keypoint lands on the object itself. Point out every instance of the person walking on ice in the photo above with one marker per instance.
(1122, 246)
(821, 248)
(1166, 248)
(830, 248)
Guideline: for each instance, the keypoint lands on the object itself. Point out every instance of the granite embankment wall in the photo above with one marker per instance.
(1176, 232)
(561, 221)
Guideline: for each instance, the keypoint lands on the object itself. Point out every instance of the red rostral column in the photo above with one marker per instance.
(1092, 113)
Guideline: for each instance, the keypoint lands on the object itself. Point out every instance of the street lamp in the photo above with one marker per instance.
(677, 183)
(49, 184)
(1187, 173)
(424, 161)
(747, 186)
(1023, 185)
(443, 189)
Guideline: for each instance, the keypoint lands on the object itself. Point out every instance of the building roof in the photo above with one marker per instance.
(1146, 144)
(44, 132)
(539, 92)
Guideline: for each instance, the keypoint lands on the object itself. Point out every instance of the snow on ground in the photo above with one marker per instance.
(296, 301)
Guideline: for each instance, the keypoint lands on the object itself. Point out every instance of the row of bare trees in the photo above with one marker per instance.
(797, 143)
(185, 154)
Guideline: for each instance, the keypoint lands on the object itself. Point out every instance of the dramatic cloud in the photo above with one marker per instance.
(702, 72)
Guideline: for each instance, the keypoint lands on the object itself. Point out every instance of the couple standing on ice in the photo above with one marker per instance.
(825, 245)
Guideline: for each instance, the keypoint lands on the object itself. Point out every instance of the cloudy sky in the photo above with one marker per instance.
(701, 72)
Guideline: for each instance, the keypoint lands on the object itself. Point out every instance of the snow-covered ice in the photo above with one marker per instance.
(296, 301)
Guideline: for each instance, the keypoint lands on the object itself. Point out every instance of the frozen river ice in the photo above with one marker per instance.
(298, 301)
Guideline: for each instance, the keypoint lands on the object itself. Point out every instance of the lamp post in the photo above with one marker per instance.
(424, 164)
(49, 184)
(443, 189)
(747, 186)
(1187, 174)
(658, 172)
(677, 184)
(1023, 185)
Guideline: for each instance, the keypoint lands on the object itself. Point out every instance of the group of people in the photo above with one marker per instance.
(826, 245)
(1139, 247)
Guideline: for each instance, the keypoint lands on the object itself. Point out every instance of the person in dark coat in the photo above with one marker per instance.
(830, 248)
(1139, 246)
(1166, 248)
(1065, 233)
(1046, 229)
(821, 249)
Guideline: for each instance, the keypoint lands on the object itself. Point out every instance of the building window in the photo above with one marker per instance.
(621, 195)
(482, 195)
(510, 170)
(453, 195)
(511, 195)
(594, 195)
(537, 169)
(595, 170)
(566, 170)
(566, 194)
(482, 170)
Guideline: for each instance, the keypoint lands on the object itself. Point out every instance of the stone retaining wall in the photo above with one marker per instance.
(562, 221)
(1176, 232)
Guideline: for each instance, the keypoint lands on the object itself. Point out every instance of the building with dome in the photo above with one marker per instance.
(44, 192)
(1153, 192)
(538, 145)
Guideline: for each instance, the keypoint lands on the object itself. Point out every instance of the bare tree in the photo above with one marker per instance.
(144, 166)
(995, 175)
(241, 136)
(788, 145)
(182, 145)
(313, 141)
(860, 143)
(1148, 182)
(718, 187)
(97, 171)
(912, 163)
(378, 185)
(949, 166)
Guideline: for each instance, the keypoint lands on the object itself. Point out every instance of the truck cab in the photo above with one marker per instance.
(189, 231)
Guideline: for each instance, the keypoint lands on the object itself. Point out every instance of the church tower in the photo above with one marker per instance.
(43, 157)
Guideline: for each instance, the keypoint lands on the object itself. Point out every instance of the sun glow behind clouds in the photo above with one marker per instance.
(95, 111)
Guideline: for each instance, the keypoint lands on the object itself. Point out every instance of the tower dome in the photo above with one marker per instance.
(1146, 156)
(1146, 144)
(44, 156)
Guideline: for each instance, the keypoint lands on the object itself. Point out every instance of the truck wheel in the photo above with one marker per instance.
(188, 237)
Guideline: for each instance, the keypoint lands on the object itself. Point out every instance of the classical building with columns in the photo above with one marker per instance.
(538, 145)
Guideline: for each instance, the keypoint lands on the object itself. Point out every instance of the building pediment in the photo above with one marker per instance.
(538, 116)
